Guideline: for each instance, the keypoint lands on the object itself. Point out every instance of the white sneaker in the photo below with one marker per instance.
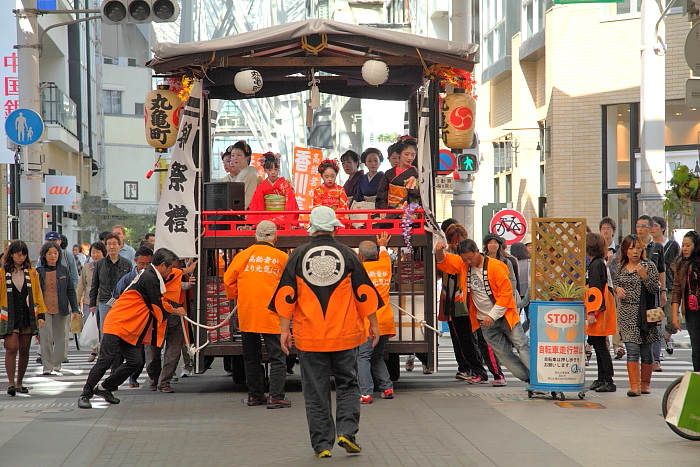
(186, 373)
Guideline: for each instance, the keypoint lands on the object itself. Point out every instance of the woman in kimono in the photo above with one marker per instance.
(275, 193)
(368, 185)
(330, 193)
(400, 183)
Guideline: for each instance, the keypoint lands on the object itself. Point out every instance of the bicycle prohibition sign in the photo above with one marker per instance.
(509, 224)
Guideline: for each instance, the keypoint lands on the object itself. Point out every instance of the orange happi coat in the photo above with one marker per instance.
(140, 314)
(252, 279)
(379, 272)
(326, 293)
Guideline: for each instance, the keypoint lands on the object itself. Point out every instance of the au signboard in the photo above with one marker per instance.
(60, 190)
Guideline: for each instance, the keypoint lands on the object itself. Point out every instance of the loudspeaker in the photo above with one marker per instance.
(224, 196)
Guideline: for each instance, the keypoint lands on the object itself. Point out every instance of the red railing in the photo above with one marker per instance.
(355, 222)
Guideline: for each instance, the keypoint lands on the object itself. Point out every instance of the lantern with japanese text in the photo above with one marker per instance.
(458, 113)
(163, 108)
(375, 72)
(248, 82)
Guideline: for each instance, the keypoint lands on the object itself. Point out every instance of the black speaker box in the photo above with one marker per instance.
(224, 196)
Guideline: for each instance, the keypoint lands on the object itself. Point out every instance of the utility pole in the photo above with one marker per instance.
(463, 194)
(652, 110)
(31, 207)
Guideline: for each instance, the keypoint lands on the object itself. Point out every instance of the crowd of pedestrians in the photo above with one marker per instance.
(332, 303)
(66, 285)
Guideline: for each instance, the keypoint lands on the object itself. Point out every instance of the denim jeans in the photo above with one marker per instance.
(102, 310)
(370, 362)
(316, 371)
(635, 351)
(502, 339)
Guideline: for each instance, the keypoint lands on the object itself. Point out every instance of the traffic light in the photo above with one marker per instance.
(468, 163)
(165, 11)
(468, 159)
(113, 11)
(139, 11)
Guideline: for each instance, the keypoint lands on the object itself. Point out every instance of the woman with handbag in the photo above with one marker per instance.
(22, 309)
(97, 252)
(686, 290)
(636, 284)
(60, 299)
(602, 322)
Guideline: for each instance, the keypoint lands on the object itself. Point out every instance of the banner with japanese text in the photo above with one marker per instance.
(9, 91)
(305, 175)
(176, 221)
(425, 168)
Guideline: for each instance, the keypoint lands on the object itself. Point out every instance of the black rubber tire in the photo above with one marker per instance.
(666, 403)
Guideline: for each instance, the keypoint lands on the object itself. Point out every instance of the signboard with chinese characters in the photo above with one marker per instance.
(60, 190)
(306, 176)
(163, 108)
(177, 210)
(444, 183)
(557, 354)
(9, 83)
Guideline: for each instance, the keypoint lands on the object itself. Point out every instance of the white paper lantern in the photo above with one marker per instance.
(248, 81)
(375, 72)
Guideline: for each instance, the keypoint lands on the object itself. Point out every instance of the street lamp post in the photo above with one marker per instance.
(30, 206)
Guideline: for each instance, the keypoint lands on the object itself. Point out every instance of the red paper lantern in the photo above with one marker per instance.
(458, 115)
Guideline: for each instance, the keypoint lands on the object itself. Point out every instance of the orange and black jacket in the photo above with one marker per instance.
(327, 293)
(140, 314)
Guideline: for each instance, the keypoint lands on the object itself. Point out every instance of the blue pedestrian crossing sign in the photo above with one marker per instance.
(24, 126)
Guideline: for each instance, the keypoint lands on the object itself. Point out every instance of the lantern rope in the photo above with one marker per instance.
(425, 67)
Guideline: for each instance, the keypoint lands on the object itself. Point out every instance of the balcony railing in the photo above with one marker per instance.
(58, 109)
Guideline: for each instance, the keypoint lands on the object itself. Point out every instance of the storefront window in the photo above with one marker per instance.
(618, 145)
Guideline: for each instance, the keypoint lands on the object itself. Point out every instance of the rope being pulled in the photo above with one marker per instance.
(191, 348)
(421, 322)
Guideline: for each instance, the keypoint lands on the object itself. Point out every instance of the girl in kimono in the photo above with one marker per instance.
(400, 183)
(330, 193)
(273, 194)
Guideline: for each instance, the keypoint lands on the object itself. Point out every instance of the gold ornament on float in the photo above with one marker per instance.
(162, 117)
(458, 114)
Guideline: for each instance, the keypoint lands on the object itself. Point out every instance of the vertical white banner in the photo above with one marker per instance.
(9, 84)
(176, 221)
(425, 167)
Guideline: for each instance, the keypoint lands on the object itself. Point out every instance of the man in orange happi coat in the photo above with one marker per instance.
(328, 294)
(139, 316)
(370, 359)
(252, 279)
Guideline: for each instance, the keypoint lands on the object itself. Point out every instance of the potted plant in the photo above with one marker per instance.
(680, 199)
(564, 291)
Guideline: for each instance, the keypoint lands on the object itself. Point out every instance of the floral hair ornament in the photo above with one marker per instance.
(331, 162)
(269, 156)
(407, 139)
